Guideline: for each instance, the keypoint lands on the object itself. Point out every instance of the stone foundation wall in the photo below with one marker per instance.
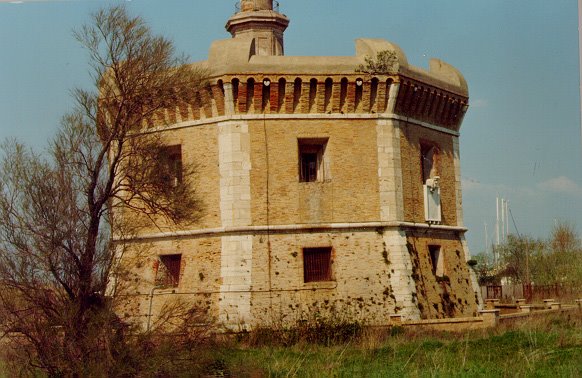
(199, 285)
(451, 295)
(360, 288)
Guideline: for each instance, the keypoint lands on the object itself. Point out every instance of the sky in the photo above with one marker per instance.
(520, 140)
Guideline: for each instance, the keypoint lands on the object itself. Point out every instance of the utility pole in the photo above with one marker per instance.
(486, 238)
(506, 218)
(497, 221)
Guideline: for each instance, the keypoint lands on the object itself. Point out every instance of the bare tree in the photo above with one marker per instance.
(56, 208)
(563, 238)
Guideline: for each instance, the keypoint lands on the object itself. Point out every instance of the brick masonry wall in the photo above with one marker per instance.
(411, 136)
(350, 193)
(199, 146)
(200, 278)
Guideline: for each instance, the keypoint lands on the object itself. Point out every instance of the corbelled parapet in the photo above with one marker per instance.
(243, 83)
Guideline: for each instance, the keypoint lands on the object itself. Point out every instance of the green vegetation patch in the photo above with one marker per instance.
(548, 347)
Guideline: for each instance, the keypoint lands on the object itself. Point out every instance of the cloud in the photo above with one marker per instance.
(562, 185)
(475, 186)
(559, 185)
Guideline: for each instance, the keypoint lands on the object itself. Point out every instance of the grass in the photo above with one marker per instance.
(550, 347)
(537, 347)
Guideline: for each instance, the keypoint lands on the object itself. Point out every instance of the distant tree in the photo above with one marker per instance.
(565, 255)
(518, 257)
(56, 209)
(484, 269)
(564, 238)
(557, 260)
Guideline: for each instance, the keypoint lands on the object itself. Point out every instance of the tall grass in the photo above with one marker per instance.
(539, 347)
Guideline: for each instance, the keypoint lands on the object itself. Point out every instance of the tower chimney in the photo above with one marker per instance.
(261, 20)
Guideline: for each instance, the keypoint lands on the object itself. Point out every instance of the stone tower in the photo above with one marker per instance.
(325, 189)
(260, 21)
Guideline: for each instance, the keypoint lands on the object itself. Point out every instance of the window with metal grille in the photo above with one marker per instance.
(168, 274)
(316, 264)
(311, 159)
(170, 165)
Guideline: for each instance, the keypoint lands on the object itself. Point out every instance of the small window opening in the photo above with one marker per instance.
(316, 264)
(428, 157)
(311, 160)
(168, 274)
(170, 166)
(437, 260)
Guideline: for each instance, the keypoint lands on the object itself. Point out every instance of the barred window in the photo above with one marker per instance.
(168, 274)
(316, 264)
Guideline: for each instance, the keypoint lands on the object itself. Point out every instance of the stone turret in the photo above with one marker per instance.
(253, 5)
(260, 21)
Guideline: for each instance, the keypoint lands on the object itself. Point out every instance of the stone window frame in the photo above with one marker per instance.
(437, 260)
(317, 264)
(313, 161)
(170, 165)
(430, 170)
(429, 154)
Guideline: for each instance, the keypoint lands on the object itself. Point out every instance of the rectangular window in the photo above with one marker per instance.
(437, 260)
(312, 159)
(428, 157)
(316, 264)
(170, 165)
(168, 274)
(430, 182)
